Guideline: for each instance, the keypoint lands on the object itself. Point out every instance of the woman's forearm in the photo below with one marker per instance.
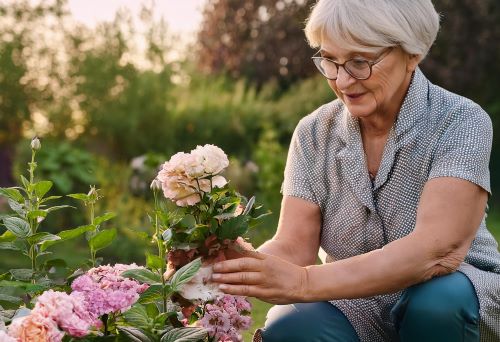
(399, 264)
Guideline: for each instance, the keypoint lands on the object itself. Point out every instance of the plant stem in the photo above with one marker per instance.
(33, 205)
(92, 216)
(105, 321)
(161, 252)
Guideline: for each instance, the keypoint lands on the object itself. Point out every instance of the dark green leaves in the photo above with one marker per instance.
(12, 193)
(134, 335)
(143, 275)
(185, 274)
(184, 335)
(100, 219)
(17, 226)
(102, 239)
(138, 316)
(41, 188)
(66, 235)
(233, 228)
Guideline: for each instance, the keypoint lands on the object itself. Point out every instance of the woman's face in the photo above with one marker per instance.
(383, 92)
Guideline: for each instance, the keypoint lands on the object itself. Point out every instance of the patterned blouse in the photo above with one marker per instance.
(436, 134)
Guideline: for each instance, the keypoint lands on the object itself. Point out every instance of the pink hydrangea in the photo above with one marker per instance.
(106, 291)
(69, 312)
(225, 318)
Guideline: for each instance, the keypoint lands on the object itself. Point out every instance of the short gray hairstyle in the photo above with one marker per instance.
(371, 25)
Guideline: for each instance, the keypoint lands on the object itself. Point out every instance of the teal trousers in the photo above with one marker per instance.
(442, 309)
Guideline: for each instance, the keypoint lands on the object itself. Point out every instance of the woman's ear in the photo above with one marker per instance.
(413, 61)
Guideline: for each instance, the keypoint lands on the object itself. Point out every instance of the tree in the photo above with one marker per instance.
(22, 90)
(259, 40)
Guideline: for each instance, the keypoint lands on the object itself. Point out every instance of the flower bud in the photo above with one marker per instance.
(93, 194)
(155, 185)
(35, 144)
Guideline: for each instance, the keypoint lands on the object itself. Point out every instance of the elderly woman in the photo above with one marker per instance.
(391, 180)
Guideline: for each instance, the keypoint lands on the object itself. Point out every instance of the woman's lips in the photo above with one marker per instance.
(354, 96)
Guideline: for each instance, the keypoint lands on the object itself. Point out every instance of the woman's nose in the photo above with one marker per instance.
(344, 80)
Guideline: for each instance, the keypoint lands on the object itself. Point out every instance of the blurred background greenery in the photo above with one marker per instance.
(109, 111)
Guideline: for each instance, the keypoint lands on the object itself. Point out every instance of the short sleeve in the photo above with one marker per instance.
(464, 150)
(300, 163)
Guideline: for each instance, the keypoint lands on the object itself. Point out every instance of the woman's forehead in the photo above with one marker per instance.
(341, 48)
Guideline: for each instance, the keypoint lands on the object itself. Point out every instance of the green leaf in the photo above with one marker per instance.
(25, 181)
(188, 221)
(57, 207)
(187, 334)
(6, 315)
(249, 206)
(16, 206)
(28, 287)
(233, 228)
(151, 295)
(12, 193)
(17, 226)
(67, 235)
(134, 334)
(143, 275)
(42, 237)
(9, 299)
(185, 274)
(154, 261)
(35, 214)
(100, 219)
(21, 273)
(102, 239)
(137, 316)
(49, 199)
(7, 236)
(81, 197)
(42, 187)
(10, 246)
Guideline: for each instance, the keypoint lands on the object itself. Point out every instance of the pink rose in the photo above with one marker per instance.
(35, 328)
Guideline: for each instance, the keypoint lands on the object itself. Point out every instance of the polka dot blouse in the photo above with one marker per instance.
(436, 134)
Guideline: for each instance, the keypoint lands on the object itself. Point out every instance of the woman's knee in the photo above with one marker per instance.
(442, 303)
(307, 322)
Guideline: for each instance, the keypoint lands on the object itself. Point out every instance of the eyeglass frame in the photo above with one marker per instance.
(338, 65)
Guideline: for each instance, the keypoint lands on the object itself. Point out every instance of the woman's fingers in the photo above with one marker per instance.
(236, 265)
(249, 278)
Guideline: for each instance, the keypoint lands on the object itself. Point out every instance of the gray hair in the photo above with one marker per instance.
(371, 25)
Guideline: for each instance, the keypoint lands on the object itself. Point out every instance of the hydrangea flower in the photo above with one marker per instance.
(225, 318)
(67, 311)
(106, 291)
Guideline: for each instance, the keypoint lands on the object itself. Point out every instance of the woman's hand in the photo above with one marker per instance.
(263, 276)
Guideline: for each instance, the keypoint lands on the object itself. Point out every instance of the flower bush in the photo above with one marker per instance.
(197, 220)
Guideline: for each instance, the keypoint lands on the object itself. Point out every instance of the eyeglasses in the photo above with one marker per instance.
(358, 68)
